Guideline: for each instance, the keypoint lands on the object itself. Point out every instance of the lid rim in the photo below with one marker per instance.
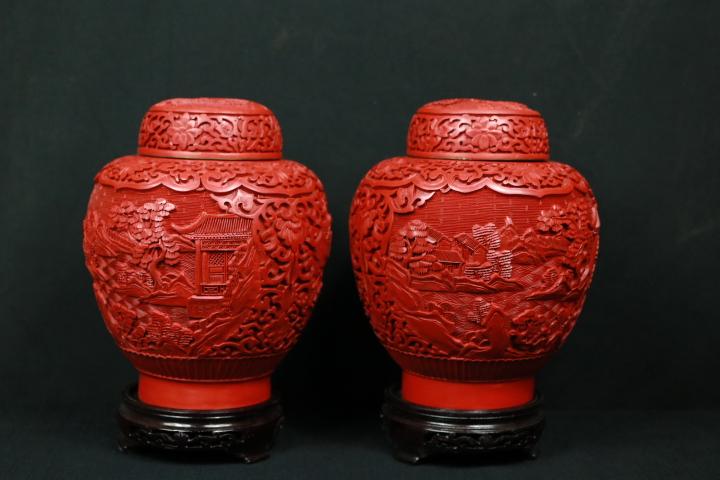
(503, 157)
(206, 155)
(479, 114)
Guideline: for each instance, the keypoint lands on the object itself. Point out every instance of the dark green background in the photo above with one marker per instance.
(629, 90)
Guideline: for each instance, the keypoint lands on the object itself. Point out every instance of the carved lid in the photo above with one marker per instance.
(474, 129)
(210, 128)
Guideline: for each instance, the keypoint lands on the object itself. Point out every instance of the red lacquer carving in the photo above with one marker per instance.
(470, 270)
(210, 129)
(477, 129)
(207, 270)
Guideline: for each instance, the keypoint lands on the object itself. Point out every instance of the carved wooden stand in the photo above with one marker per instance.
(418, 433)
(247, 434)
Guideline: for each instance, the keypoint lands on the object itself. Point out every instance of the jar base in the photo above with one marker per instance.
(455, 395)
(189, 395)
(246, 434)
(419, 433)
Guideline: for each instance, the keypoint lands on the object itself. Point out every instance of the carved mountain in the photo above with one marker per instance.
(444, 283)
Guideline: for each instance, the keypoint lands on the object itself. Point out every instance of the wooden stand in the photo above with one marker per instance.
(418, 433)
(247, 434)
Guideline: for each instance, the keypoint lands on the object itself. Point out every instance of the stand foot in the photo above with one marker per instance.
(419, 433)
(245, 434)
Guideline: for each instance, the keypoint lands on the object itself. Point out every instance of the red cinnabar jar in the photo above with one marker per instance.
(473, 255)
(206, 251)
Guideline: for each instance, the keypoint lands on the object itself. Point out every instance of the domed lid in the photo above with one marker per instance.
(474, 129)
(210, 128)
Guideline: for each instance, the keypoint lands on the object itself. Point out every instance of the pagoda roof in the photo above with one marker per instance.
(448, 256)
(217, 226)
(434, 235)
(467, 241)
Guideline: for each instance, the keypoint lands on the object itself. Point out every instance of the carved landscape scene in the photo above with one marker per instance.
(224, 273)
(473, 260)
(476, 283)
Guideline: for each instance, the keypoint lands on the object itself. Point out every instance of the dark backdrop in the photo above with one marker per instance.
(629, 91)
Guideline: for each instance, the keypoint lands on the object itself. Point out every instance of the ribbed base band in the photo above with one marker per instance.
(209, 369)
(468, 370)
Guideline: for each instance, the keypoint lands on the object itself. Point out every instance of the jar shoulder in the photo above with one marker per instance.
(182, 175)
(535, 178)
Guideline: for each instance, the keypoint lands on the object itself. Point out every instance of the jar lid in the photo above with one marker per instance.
(474, 129)
(210, 128)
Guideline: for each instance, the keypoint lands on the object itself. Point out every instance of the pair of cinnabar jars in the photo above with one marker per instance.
(473, 255)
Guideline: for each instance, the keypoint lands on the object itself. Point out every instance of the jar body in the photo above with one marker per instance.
(206, 271)
(472, 272)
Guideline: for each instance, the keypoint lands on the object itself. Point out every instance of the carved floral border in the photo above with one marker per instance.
(474, 134)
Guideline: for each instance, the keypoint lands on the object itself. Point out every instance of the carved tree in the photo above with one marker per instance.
(412, 247)
(144, 225)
